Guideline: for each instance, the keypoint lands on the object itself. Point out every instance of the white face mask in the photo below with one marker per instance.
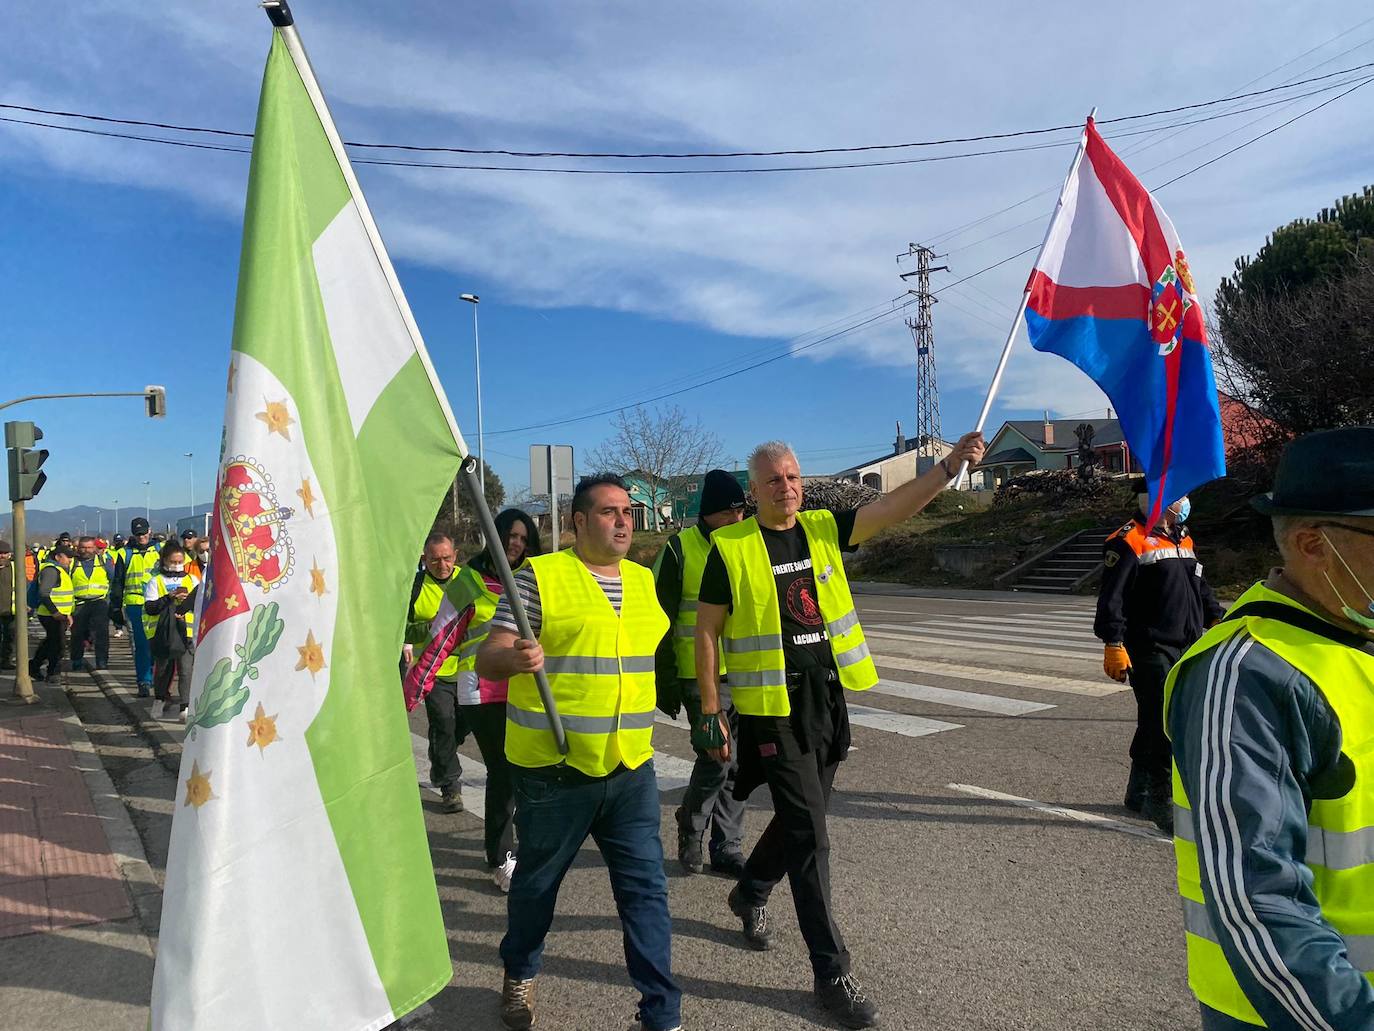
(174, 569)
(1365, 618)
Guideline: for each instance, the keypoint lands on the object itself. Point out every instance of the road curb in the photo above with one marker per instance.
(165, 744)
(125, 845)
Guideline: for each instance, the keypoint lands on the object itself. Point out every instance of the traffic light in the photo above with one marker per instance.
(26, 475)
(156, 400)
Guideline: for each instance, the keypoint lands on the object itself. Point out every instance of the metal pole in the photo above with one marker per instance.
(148, 500)
(115, 528)
(496, 548)
(23, 686)
(481, 444)
(58, 397)
(553, 502)
(1025, 298)
(191, 464)
(279, 13)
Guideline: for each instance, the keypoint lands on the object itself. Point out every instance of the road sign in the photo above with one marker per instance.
(551, 461)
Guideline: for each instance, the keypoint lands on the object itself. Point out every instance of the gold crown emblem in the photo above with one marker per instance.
(255, 524)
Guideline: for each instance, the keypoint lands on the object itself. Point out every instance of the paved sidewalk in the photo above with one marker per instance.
(74, 950)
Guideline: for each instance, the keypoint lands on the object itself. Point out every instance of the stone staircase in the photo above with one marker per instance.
(1063, 568)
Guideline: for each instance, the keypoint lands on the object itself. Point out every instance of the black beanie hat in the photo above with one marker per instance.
(720, 491)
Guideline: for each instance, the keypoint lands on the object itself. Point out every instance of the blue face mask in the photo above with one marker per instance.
(1185, 509)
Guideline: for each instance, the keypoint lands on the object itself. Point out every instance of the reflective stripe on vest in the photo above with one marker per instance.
(138, 568)
(160, 584)
(696, 547)
(1340, 832)
(600, 667)
(753, 629)
(61, 596)
(1150, 548)
(92, 586)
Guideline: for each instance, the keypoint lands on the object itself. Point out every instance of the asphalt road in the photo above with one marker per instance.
(962, 908)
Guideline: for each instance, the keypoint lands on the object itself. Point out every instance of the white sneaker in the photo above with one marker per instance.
(181, 714)
(156, 710)
(119, 632)
(501, 875)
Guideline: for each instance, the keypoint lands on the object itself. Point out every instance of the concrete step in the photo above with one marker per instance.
(1037, 588)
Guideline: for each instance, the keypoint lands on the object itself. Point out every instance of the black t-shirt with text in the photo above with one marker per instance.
(804, 639)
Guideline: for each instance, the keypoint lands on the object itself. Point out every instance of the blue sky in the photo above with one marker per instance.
(120, 257)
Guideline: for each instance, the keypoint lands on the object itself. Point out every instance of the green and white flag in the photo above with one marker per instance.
(300, 892)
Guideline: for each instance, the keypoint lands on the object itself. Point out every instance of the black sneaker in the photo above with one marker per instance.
(755, 920)
(451, 800)
(729, 863)
(517, 1003)
(845, 1000)
(689, 852)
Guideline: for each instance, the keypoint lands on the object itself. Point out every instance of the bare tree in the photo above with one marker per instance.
(660, 446)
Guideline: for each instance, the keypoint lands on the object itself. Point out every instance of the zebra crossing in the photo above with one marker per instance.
(1063, 633)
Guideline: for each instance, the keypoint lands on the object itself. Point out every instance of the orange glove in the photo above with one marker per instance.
(1115, 662)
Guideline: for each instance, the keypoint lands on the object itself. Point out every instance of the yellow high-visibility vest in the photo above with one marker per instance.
(92, 586)
(61, 598)
(600, 666)
(139, 564)
(1340, 833)
(159, 583)
(696, 546)
(753, 630)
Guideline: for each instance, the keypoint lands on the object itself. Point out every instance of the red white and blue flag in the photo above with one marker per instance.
(1112, 293)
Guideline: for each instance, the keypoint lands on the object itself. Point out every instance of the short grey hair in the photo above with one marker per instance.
(771, 450)
(1284, 528)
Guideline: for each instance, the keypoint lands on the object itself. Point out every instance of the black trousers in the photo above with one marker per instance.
(50, 650)
(796, 843)
(91, 619)
(488, 725)
(6, 639)
(709, 801)
(446, 732)
(1150, 747)
(167, 666)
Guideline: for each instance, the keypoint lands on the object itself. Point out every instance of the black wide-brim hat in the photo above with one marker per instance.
(1330, 472)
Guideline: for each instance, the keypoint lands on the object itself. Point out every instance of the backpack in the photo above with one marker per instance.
(33, 596)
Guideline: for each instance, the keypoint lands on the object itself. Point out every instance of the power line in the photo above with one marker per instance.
(502, 152)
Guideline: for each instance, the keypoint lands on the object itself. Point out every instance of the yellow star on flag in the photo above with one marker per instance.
(277, 418)
(317, 586)
(307, 497)
(198, 787)
(262, 730)
(312, 655)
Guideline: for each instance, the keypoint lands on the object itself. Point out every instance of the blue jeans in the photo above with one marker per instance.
(143, 656)
(556, 807)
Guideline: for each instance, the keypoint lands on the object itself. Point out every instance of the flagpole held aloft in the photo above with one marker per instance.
(1025, 297)
(497, 550)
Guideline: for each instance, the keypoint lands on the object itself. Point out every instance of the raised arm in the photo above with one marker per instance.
(914, 495)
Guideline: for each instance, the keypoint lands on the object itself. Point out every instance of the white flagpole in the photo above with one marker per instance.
(279, 13)
(1025, 295)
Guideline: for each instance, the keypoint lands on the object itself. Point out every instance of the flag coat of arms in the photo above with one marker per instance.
(1112, 293)
(300, 891)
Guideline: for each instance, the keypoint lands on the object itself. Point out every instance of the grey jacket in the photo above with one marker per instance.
(1255, 742)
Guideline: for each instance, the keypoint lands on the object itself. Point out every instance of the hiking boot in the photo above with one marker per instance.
(689, 852)
(1136, 786)
(451, 800)
(731, 864)
(845, 1000)
(754, 919)
(517, 1003)
(1159, 810)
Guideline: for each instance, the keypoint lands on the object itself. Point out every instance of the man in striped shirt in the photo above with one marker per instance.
(1271, 715)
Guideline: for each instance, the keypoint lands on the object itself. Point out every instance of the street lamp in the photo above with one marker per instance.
(192, 466)
(114, 528)
(148, 500)
(472, 299)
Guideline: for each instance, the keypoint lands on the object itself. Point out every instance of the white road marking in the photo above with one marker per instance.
(1078, 815)
(971, 642)
(958, 699)
(897, 722)
(1078, 627)
(472, 786)
(1055, 632)
(1008, 678)
(672, 772)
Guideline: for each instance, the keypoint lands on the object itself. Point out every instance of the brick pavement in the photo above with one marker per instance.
(56, 867)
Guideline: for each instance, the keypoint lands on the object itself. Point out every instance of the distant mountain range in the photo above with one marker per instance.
(97, 521)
